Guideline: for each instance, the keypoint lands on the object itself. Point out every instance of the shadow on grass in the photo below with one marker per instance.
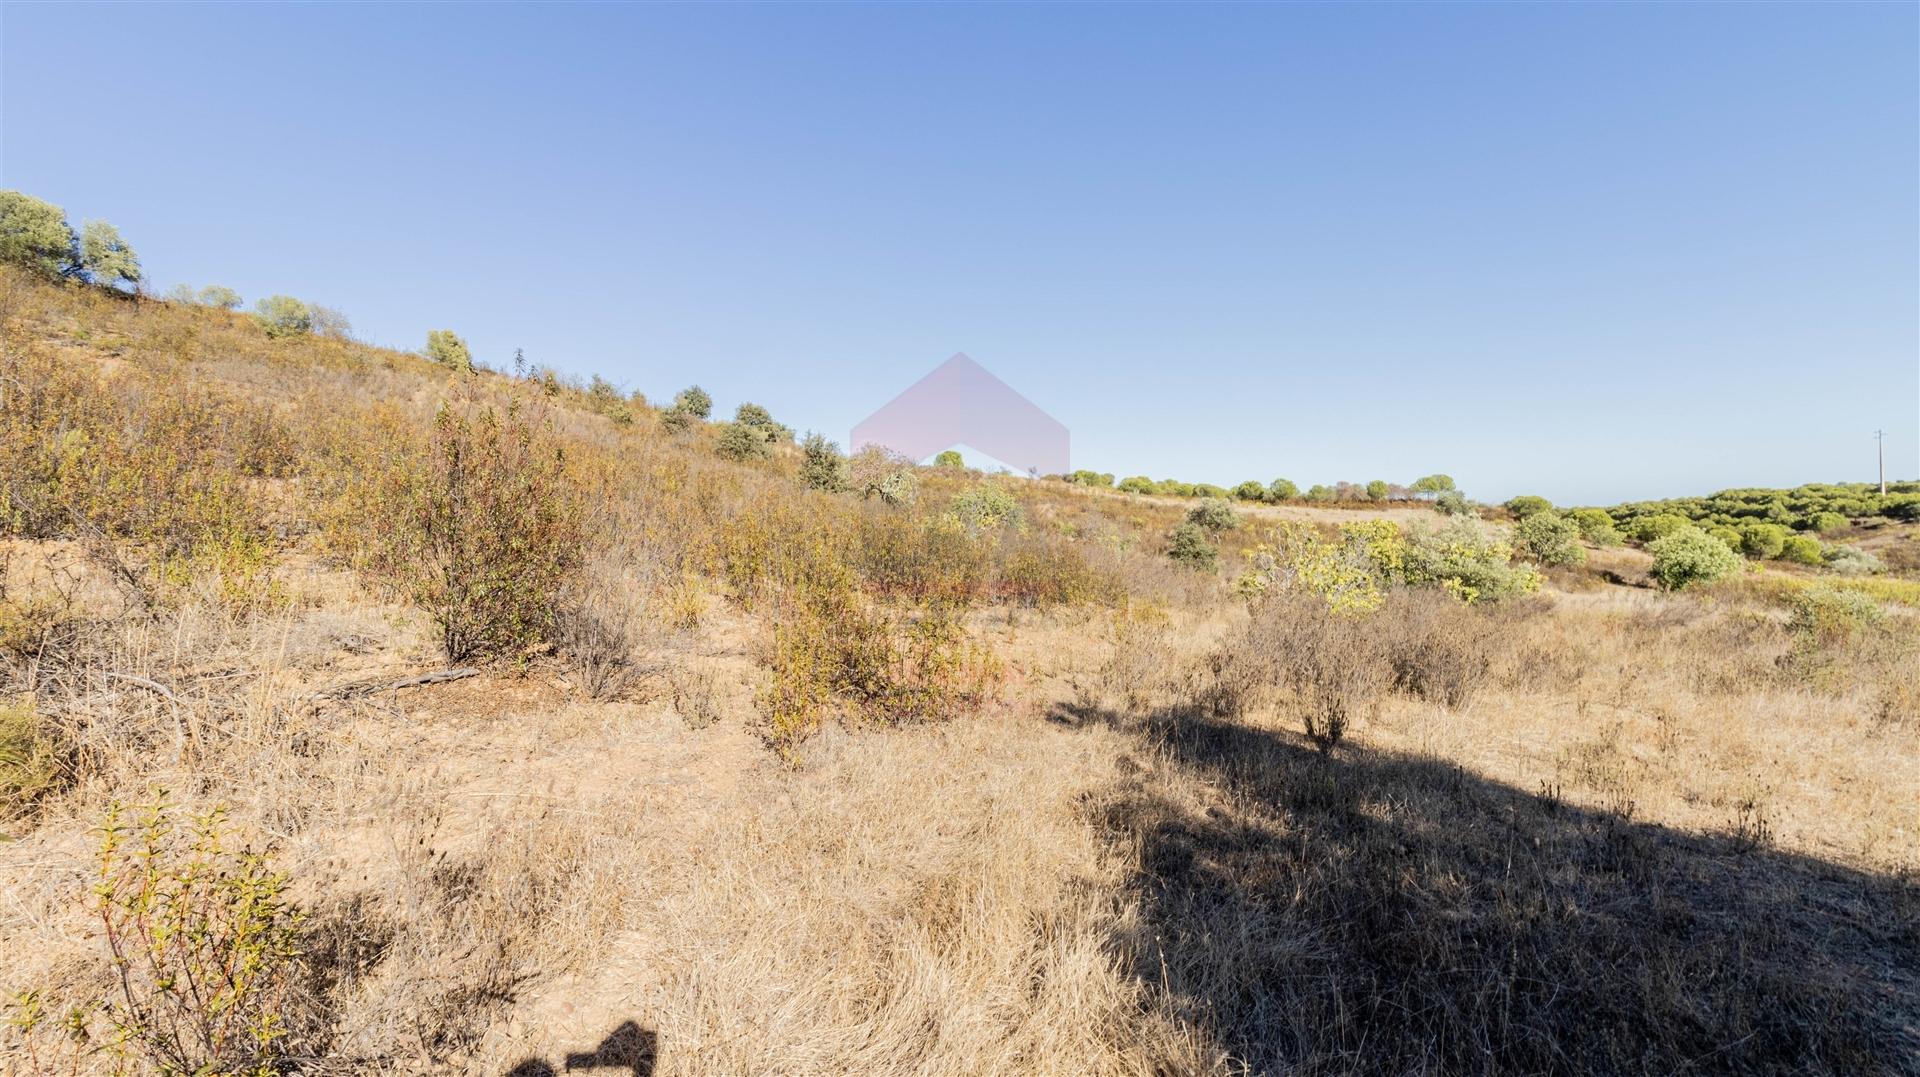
(628, 1048)
(1385, 913)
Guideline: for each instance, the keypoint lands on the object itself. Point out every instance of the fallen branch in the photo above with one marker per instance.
(142, 682)
(373, 685)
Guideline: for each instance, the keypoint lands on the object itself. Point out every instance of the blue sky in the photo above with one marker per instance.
(1598, 252)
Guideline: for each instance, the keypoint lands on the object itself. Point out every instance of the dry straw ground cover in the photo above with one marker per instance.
(741, 777)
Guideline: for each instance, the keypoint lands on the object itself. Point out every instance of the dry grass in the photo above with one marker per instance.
(1610, 830)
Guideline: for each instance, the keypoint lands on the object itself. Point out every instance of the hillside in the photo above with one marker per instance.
(531, 727)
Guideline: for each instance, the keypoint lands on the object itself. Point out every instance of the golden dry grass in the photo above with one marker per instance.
(1661, 833)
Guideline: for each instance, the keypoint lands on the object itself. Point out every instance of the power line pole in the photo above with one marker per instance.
(1881, 437)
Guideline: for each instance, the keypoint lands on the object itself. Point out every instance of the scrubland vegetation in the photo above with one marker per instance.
(370, 712)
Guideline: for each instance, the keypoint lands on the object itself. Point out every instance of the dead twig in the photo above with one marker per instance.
(375, 685)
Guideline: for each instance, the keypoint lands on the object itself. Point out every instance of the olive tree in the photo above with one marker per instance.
(36, 236)
(106, 258)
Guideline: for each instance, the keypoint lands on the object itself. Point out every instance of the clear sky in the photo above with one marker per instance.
(1597, 252)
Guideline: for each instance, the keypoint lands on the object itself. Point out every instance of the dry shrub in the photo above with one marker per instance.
(1441, 650)
(604, 614)
(1332, 667)
(32, 759)
(832, 647)
(482, 529)
(695, 692)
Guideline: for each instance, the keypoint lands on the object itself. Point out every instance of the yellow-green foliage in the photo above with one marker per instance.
(30, 764)
(203, 943)
(1350, 572)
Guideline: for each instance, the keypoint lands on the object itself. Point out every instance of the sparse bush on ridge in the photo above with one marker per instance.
(1801, 550)
(283, 316)
(822, 467)
(1452, 503)
(1527, 505)
(445, 347)
(949, 458)
(1597, 527)
(1762, 541)
(1282, 490)
(1213, 514)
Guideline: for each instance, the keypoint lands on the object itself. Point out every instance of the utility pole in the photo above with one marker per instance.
(1881, 437)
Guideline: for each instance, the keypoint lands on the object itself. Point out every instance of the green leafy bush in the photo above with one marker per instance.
(1596, 526)
(1433, 484)
(1466, 558)
(1656, 527)
(949, 458)
(1687, 556)
(1802, 550)
(1761, 541)
(204, 944)
(1282, 490)
(1319, 492)
(1727, 534)
(283, 316)
(743, 441)
(1213, 514)
(1826, 523)
(694, 401)
(1377, 490)
(1136, 484)
(36, 236)
(821, 465)
(219, 295)
(1550, 539)
(105, 258)
(1251, 490)
(1527, 505)
(1452, 503)
(1188, 544)
(445, 347)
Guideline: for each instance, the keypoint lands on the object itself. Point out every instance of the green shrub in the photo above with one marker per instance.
(677, 420)
(1596, 526)
(1826, 523)
(204, 945)
(821, 465)
(445, 347)
(1687, 556)
(1729, 535)
(694, 401)
(1653, 528)
(1084, 477)
(219, 295)
(105, 258)
(1188, 544)
(1802, 550)
(36, 236)
(1527, 505)
(283, 316)
(1318, 492)
(1761, 541)
(1467, 558)
(1282, 490)
(1452, 503)
(949, 458)
(1377, 490)
(1207, 489)
(1137, 484)
(1550, 539)
(1251, 490)
(1213, 514)
(761, 419)
(743, 441)
(1433, 484)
